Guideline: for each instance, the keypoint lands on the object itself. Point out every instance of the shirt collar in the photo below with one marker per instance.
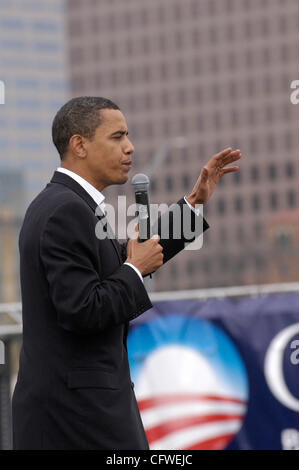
(96, 195)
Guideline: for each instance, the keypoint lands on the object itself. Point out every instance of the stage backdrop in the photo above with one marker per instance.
(218, 374)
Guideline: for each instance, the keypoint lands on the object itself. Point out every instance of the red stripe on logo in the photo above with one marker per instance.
(168, 399)
(157, 432)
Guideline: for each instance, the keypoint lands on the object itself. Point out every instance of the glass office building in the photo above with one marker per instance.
(34, 85)
(33, 70)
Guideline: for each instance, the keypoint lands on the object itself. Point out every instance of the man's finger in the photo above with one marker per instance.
(204, 174)
(232, 157)
(156, 237)
(230, 170)
(135, 234)
(223, 153)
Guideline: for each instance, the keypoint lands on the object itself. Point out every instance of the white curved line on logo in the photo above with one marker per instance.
(195, 434)
(163, 413)
(273, 367)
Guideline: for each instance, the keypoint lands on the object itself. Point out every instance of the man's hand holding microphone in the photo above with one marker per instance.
(146, 256)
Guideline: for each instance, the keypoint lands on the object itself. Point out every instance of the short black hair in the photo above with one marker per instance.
(80, 116)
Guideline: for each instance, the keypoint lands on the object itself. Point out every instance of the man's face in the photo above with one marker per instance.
(109, 152)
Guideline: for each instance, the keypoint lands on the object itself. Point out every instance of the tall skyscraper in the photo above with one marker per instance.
(33, 70)
(217, 73)
(33, 85)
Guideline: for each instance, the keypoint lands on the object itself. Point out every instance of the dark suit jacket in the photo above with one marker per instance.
(74, 389)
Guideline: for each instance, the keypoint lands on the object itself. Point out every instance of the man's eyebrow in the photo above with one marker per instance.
(121, 132)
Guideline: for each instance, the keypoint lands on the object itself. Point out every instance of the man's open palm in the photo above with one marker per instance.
(211, 174)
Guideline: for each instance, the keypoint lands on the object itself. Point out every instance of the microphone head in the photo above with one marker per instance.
(140, 182)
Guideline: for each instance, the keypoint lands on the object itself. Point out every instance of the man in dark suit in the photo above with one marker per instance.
(79, 293)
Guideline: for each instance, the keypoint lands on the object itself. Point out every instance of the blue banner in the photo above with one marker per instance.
(218, 374)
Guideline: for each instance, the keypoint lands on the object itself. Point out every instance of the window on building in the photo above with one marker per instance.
(214, 35)
(166, 127)
(230, 5)
(272, 172)
(252, 116)
(260, 262)
(266, 55)
(250, 85)
(253, 145)
(77, 55)
(271, 142)
(269, 112)
(289, 141)
(165, 98)
(238, 203)
(186, 181)
(254, 174)
(237, 177)
(240, 234)
(257, 230)
(190, 267)
(224, 263)
(196, 37)
(178, 39)
(290, 170)
(285, 52)
(273, 200)
(265, 26)
(234, 117)
(207, 265)
(153, 185)
(217, 121)
(240, 264)
(231, 32)
(174, 271)
(256, 203)
(223, 235)
(221, 206)
(248, 29)
(291, 198)
(77, 83)
(169, 183)
(282, 24)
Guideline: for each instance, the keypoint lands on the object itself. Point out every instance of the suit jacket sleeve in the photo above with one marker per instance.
(84, 301)
(177, 220)
(175, 242)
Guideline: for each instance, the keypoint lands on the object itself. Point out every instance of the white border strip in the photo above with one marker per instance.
(223, 292)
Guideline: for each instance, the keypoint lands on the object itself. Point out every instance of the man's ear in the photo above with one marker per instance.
(77, 146)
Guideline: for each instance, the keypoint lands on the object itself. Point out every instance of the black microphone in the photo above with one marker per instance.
(140, 185)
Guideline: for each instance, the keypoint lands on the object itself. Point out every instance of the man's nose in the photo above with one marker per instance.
(129, 147)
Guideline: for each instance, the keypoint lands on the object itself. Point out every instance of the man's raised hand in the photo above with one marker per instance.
(211, 174)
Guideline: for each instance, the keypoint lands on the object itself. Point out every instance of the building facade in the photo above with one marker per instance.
(33, 85)
(33, 70)
(217, 73)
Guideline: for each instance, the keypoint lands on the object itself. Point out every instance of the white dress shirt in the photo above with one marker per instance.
(97, 196)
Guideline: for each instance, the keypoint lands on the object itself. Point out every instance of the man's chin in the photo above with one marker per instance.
(124, 179)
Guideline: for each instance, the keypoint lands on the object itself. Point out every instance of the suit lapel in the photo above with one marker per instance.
(62, 178)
